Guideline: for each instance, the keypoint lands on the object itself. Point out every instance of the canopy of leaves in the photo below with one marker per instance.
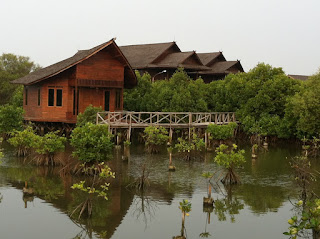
(156, 135)
(89, 115)
(11, 118)
(179, 93)
(229, 158)
(92, 143)
(194, 144)
(13, 67)
(23, 140)
(222, 131)
(50, 143)
(304, 108)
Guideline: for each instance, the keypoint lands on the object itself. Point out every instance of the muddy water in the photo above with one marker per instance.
(258, 208)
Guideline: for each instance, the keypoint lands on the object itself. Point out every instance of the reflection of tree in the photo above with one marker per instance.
(228, 205)
(144, 207)
(262, 198)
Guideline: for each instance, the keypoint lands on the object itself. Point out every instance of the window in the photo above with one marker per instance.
(59, 97)
(26, 95)
(39, 97)
(106, 100)
(118, 99)
(51, 97)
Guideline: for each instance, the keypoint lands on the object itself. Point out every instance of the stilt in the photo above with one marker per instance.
(206, 140)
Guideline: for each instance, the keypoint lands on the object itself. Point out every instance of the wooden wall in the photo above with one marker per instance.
(102, 66)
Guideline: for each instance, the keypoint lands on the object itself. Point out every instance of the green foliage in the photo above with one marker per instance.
(91, 142)
(207, 175)
(303, 109)
(222, 132)
(154, 137)
(104, 173)
(194, 144)
(89, 115)
(95, 187)
(229, 158)
(11, 118)
(309, 219)
(23, 140)
(134, 99)
(185, 206)
(50, 143)
(13, 67)
(179, 93)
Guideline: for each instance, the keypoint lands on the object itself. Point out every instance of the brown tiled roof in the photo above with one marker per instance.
(61, 66)
(174, 59)
(206, 58)
(140, 56)
(224, 66)
(299, 77)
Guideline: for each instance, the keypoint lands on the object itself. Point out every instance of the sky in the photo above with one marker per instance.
(282, 33)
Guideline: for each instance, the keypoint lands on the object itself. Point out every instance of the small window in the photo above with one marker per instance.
(51, 97)
(118, 99)
(26, 95)
(39, 97)
(59, 97)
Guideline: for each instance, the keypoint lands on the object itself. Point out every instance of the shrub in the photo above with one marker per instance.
(23, 140)
(47, 146)
(155, 137)
(222, 132)
(89, 115)
(91, 142)
(229, 159)
(187, 147)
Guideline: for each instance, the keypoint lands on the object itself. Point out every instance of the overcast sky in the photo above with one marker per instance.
(283, 33)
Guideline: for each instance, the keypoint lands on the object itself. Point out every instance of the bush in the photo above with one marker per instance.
(46, 146)
(23, 140)
(91, 142)
(222, 132)
(229, 159)
(154, 137)
(188, 147)
(89, 115)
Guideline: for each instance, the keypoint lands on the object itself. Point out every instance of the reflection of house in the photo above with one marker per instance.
(155, 58)
(299, 77)
(97, 76)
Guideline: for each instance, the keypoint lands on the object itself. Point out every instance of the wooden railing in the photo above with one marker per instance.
(128, 119)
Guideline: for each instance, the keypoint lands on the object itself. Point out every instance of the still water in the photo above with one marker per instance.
(258, 208)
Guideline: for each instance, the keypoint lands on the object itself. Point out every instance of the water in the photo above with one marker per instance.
(258, 208)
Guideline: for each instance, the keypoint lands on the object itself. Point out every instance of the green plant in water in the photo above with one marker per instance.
(308, 220)
(23, 140)
(47, 146)
(155, 137)
(98, 186)
(229, 159)
(185, 207)
(208, 176)
(91, 142)
(188, 147)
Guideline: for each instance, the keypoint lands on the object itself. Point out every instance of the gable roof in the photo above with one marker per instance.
(80, 56)
(207, 58)
(223, 67)
(140, 56)
(299, 77)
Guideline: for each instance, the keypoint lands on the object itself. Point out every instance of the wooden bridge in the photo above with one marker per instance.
(172, 120)
(129, 119)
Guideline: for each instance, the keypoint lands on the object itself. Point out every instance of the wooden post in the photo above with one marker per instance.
(206, 140)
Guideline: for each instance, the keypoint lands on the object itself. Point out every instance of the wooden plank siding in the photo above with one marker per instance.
(92, 77)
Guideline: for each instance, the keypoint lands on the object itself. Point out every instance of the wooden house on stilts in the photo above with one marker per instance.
(59, 92)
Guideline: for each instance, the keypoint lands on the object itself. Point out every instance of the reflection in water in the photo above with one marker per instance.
(266, 187)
